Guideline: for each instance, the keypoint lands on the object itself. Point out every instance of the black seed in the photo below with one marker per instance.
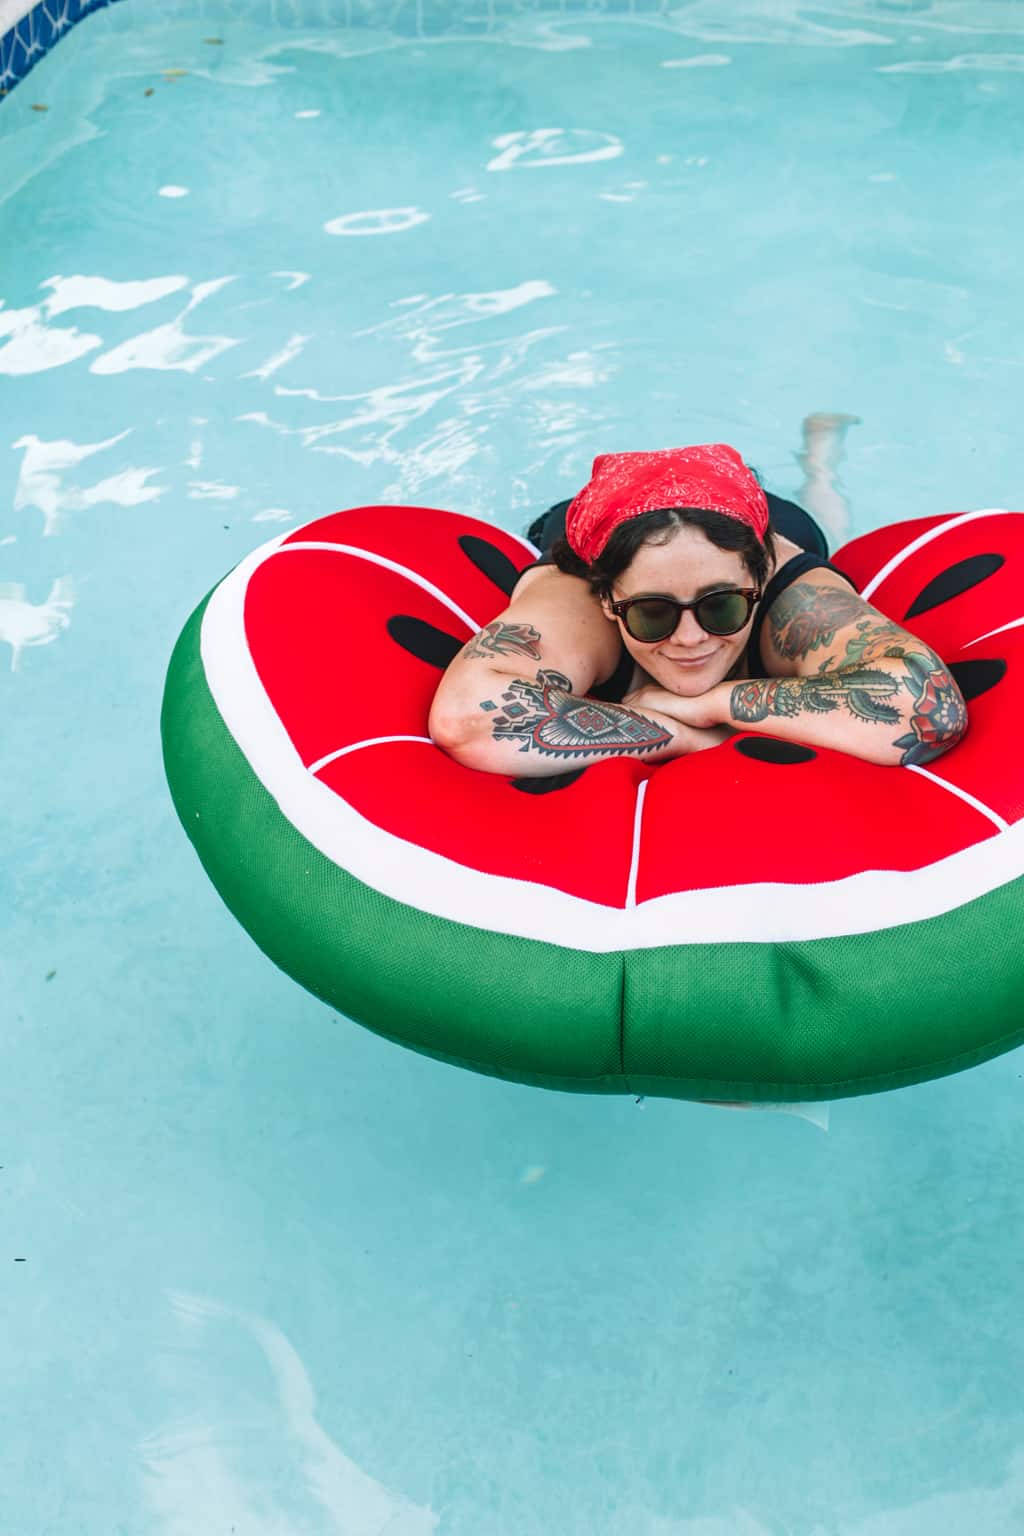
(424, 641)
(764, 749)
(497, 567)
(553, 781)
(954, 580)
(974, 677)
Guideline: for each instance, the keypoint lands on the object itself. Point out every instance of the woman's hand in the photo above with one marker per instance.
(702, 713)
(695, 723)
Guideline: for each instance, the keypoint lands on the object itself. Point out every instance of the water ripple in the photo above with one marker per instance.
(23, 623)
(996, 63)
(459, 392)
(247, 1451)
(377, 221)
(531, 149)
(41, 479)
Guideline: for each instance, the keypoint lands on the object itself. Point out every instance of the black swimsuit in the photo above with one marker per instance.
(786, 519)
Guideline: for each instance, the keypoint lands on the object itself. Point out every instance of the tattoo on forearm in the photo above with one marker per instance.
(868, 693)
(806, 617)
(546, 716)
(864, 693)
(499, 639)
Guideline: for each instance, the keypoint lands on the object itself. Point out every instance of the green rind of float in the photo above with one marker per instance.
(500, 1005)
(817, 1019)
(831, 1018)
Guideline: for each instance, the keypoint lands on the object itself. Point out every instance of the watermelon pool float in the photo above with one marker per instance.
(757, 922)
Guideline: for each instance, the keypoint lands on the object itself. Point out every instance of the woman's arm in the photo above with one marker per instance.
(852, 680)
(513, 700)
(533, 726)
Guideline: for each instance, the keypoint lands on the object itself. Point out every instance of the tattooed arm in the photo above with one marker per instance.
(851, 680)
(530, 727)
(513, 701)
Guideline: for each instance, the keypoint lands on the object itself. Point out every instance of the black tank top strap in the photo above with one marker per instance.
(784, 577)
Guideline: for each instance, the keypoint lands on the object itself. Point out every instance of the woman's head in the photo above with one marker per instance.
(681, 553)
(675, 524)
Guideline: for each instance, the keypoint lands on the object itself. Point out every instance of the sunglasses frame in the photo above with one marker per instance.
(622, 606)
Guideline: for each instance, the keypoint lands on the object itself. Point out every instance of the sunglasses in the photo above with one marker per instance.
(650, 619)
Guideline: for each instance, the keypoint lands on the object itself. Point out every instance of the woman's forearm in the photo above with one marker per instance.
(532, 727)
(897, 710)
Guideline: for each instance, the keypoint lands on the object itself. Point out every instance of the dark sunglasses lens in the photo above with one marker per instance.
(722, 613)
(652, 618)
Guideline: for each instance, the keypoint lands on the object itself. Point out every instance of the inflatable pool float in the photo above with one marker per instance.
(757, 922)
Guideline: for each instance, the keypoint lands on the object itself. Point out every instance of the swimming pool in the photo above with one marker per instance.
(261, 1269)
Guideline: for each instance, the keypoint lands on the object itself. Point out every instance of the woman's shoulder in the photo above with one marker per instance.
(785, 551)
(795, 567)
(797, 598)
(569, 630)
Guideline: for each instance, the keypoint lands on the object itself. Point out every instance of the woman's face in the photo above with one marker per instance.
(690, 661)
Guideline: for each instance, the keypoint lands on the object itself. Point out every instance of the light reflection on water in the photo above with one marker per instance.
(248, 1447)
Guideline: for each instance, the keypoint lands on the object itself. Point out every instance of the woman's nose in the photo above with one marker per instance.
(688, 631)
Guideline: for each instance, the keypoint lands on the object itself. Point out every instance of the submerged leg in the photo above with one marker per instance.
(824, 433)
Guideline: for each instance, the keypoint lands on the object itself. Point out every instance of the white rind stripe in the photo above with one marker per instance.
(1013, 624)
(962, 794)
(770, 912)
(357, 746)
(634, 860)
(926, 538)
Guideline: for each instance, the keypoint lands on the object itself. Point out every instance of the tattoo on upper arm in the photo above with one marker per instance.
(546, 716)
(499, 639)
(805, 617)
(877, 637)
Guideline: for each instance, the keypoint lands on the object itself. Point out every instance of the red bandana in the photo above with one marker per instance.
(622, 485)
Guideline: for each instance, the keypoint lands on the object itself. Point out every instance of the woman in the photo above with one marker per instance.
(681, 605)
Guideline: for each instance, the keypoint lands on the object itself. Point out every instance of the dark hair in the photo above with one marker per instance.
(657, 528)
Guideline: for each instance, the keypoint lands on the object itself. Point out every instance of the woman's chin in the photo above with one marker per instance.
(690, 680)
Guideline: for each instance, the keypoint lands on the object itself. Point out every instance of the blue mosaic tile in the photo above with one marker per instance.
(35, 34)
(21, 43)
(43, 28)
(58, 13)
(6, 70)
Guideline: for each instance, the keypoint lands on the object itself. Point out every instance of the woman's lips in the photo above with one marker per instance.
(692, 661)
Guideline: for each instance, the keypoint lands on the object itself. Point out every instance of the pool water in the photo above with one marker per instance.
(261, 1271)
